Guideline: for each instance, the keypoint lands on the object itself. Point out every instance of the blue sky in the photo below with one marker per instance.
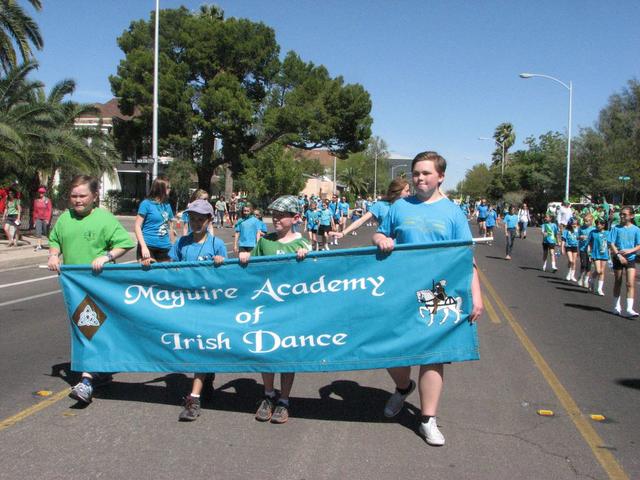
(440, 73)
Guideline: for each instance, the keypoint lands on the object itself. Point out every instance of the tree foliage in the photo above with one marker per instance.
(222, 83)
(271, 172)
(17, 31)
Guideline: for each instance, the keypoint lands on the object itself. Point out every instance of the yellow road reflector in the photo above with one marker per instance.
(546, 413)
(68, 414)
(44, 393)
(597, 417)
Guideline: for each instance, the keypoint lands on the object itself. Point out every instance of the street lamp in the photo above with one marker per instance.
(154, 142)
(570, 88)
(501, 144)
(396, 166)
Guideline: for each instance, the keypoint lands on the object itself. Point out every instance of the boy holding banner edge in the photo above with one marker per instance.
(285, 213)
(198, 246)
(84, 234)
(428, 216)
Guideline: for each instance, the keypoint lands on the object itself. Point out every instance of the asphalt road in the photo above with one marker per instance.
(545, 344)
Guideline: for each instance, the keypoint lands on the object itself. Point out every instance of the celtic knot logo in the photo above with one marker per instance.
(88, 317)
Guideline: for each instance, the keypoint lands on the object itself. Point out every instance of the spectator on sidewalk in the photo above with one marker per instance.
(11, 218)
(42, 210)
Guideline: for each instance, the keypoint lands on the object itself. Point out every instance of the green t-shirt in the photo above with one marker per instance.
(269, 245)
(12, 207)
(83, 239)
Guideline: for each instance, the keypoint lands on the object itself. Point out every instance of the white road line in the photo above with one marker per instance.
(32, 297)
(7, 285)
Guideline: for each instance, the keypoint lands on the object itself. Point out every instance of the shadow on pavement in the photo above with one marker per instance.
(530, 268)
(588, 308)
(629, 382)
(495, 258)
(575, 290)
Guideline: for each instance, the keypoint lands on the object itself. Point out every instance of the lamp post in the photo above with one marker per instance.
(396, 166)
(154, 142)
(570, 88)
(501, 144)
(334, 175)
(375, 174)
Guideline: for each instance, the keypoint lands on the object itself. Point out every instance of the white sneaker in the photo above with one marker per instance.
(616, 311)
(568, 277)
(600, 293)
(396, 401)
(574, 279)
(631, 313)
(431, 433)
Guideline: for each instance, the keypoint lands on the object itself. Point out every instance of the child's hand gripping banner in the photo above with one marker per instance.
(344, 310)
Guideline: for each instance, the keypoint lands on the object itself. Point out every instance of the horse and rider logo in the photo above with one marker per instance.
(436, 300)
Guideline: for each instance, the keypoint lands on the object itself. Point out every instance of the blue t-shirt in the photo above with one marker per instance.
(248, 230)
(625, 237)
(412, 221)
(344, 208)
(325, 216)
(263, 227)
(155, 227)
(492, 218)
(335, 210)
(599, 242)
(510, 220)
(186, 250)
(312, 216)
(482, 211)
(583, 237)
(549, 233)
(570, 238)
(380, 209)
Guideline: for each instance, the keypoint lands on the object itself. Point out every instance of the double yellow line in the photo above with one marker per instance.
(606, 459)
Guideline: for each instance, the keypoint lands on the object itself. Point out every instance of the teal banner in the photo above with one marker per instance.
(341, 310)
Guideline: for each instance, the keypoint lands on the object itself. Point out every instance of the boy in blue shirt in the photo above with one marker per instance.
(624, 244)
(246, 231)
(428, 216)
(549, 240)
(510, 229)
(198, 246)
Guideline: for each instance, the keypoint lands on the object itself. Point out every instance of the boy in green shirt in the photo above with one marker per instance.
(285, 213)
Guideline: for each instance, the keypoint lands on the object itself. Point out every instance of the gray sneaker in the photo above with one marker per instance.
(265, 410)
(396, 401)
(191, 409)
(82, 393)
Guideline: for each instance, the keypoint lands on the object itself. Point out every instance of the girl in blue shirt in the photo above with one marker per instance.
(549, 234)
(483, 210)
(154, 226)
(598, 247)
(583, 250)
(510, 230)
(312, 219)
(398, 188)
(325, 224)
(570, 247)
(490, 222)
(624, 244)
(428, 216)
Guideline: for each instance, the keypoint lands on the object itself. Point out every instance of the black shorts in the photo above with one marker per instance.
(548, 246)
(482, 219)
(158, 254)
(585, 260)
(571, 249)
(490, 228)
(619, 266)
(322, 229)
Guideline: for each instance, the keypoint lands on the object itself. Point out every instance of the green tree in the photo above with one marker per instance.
(476, 182)
(353, 179)
(17, 30)
(269, 173)
(222, 83)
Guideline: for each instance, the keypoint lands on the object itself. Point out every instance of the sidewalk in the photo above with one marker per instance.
(23, 254)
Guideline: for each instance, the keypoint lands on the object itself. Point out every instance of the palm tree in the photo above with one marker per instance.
(354, 180)
(17, 29)
(505, 135)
